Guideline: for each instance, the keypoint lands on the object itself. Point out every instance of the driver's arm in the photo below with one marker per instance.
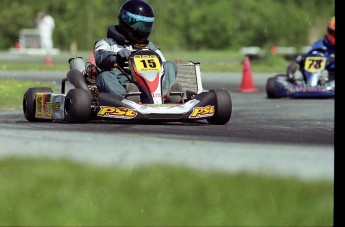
(105, 52)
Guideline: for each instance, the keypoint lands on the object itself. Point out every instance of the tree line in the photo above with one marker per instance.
(179, 24)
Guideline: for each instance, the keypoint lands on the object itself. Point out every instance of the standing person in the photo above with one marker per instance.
(45, 24)
(136, 19)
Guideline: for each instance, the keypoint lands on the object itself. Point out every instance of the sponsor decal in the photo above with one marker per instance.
(57, 106)
(116, 112)
(156, 95)
(53, 107)
(303, 88)
(39, 105)
(42, 101)
(162, 105)
(200, 112)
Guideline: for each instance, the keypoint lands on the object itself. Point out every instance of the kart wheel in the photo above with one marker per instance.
(78, 106)
(223, 107)
(272, 91)
(29, 102)
(270, 88)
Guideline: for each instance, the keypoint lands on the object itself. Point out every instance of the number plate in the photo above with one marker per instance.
(147, 63)
(314, 64)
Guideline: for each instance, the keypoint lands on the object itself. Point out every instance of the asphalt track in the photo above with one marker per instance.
(285, 137)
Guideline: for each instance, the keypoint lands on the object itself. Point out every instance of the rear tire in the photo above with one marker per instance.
(78, 106)
(29, 102)
(223, 107)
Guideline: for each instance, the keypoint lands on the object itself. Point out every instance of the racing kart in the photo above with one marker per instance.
(83, 102)
(317, 69)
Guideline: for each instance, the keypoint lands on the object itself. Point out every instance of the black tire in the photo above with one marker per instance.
(29, 102)
(78, 106)
(270, 88)
(223, 107)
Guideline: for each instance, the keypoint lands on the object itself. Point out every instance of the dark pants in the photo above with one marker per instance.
(114, 81)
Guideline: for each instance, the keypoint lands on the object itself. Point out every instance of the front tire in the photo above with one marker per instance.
(29, 102)
(274, 88)
(270, 86)
(78, 106)
(223, 107)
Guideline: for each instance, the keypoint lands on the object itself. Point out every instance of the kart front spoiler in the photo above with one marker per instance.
(202, 106)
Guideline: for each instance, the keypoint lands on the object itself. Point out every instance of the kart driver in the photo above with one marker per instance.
(327, 44)
(136, 19)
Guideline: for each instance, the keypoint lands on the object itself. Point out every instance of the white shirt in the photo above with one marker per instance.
(46, 25)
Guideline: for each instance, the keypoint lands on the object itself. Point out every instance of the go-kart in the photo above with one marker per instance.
(83, 102)
(317, 68)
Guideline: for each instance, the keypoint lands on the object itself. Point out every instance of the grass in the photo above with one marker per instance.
(24, 66)
(63, 193)
(12, 92)
(211, 61)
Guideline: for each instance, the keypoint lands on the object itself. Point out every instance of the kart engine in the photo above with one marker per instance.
(89, 71)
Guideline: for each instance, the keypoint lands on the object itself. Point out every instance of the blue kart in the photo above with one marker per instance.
(317, 68)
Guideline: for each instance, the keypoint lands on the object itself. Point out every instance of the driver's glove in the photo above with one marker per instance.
(124, 53)
(291, 69)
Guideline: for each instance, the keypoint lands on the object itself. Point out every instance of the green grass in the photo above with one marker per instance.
(211, 61)
(12, 92)
(24, 66)
(63, 193)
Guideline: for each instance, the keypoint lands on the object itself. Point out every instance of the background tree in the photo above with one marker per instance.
(180, 24)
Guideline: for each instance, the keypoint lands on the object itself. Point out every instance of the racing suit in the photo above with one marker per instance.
(322, 44)
(329, 51)
(112, 80)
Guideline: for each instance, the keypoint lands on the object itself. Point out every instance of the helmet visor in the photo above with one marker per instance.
(137, 22)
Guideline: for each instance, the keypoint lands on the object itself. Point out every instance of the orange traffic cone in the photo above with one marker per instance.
(92, 58)
(48, 61)
(17, 45)
(247, 84)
